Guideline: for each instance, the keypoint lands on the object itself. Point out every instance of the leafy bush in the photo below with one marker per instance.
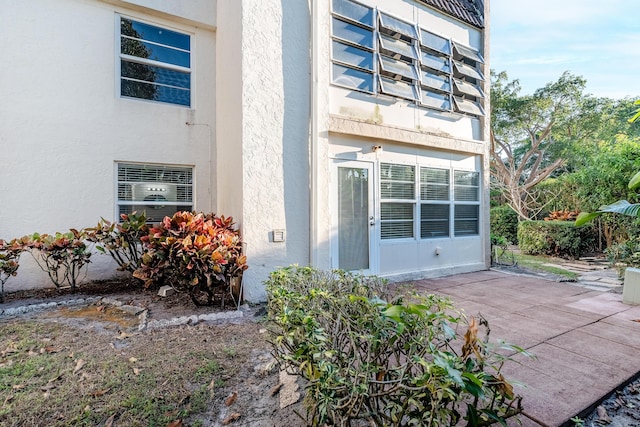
(392, 364)
(554, 194)
(556, 238)
(62, 256)
(625, 254)
(562, 215)
(504, 222)
(9, 257)
(194, 252)
(121, 241)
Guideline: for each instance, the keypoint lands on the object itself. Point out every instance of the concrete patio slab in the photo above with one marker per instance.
(550, 315)
(617, 334)
(586, 341)
(605, 304)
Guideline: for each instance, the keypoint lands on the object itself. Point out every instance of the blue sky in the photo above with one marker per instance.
(535, 41)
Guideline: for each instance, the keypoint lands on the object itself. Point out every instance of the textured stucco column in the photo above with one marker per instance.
(263, 156)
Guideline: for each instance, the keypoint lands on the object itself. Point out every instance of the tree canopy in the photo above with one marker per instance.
(532, 136)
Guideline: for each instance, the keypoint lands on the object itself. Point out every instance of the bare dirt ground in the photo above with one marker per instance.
(242, 387)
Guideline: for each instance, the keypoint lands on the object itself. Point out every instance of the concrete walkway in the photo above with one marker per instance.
(587, 342)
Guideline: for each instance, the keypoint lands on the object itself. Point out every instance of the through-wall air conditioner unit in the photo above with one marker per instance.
(154, 192)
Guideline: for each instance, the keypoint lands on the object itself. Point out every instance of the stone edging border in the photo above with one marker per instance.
(141, 313)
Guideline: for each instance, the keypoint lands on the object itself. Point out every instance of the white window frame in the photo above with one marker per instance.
(119, 56)
(418, 202)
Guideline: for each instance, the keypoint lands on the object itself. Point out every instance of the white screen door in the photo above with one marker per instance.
(354, 221)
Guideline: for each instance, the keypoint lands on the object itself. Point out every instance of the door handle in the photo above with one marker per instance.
(372, 221)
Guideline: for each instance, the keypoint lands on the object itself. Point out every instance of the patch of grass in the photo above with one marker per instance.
(538, 263)
(69, 376)
(208, 370)
(230, 351)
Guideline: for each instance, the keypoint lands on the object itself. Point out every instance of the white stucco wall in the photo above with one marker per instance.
(271, 93)
(357, 121)
(62, 125)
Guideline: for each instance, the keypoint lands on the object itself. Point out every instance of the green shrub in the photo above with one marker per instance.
(389, 363)
(194, 252)
(62, 255)
(121, 241)
(9, 257)
(625, 254)
(556, 238)
(504, 222)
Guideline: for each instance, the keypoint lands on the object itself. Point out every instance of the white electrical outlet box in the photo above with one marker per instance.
(278, 235)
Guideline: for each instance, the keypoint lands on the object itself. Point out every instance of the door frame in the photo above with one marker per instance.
(374, 222)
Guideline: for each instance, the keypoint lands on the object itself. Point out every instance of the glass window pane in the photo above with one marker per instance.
(435, 62)
(154, 92)
(466, 186)
(397, 26)
(397, 172)
(466, 178)
(352, 55)
(435, 42)
(155, 52)
(398, 68)
(352, 33)
(397, 211)
(154, 34)
(350, 77)
(434, 192)
(434, 184)
(435, 81)
(154, 74)
(436, 100)
(468, 88)
(468, 52)
(434, 175)
(398, 88)
(397, 181)
(396, 230)
(466, 194)
(466, 220)
(354, 11)
(391, 46)
(397, 190)
(468, 70)
(396, 220)
(434, 221)
(468, 106)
